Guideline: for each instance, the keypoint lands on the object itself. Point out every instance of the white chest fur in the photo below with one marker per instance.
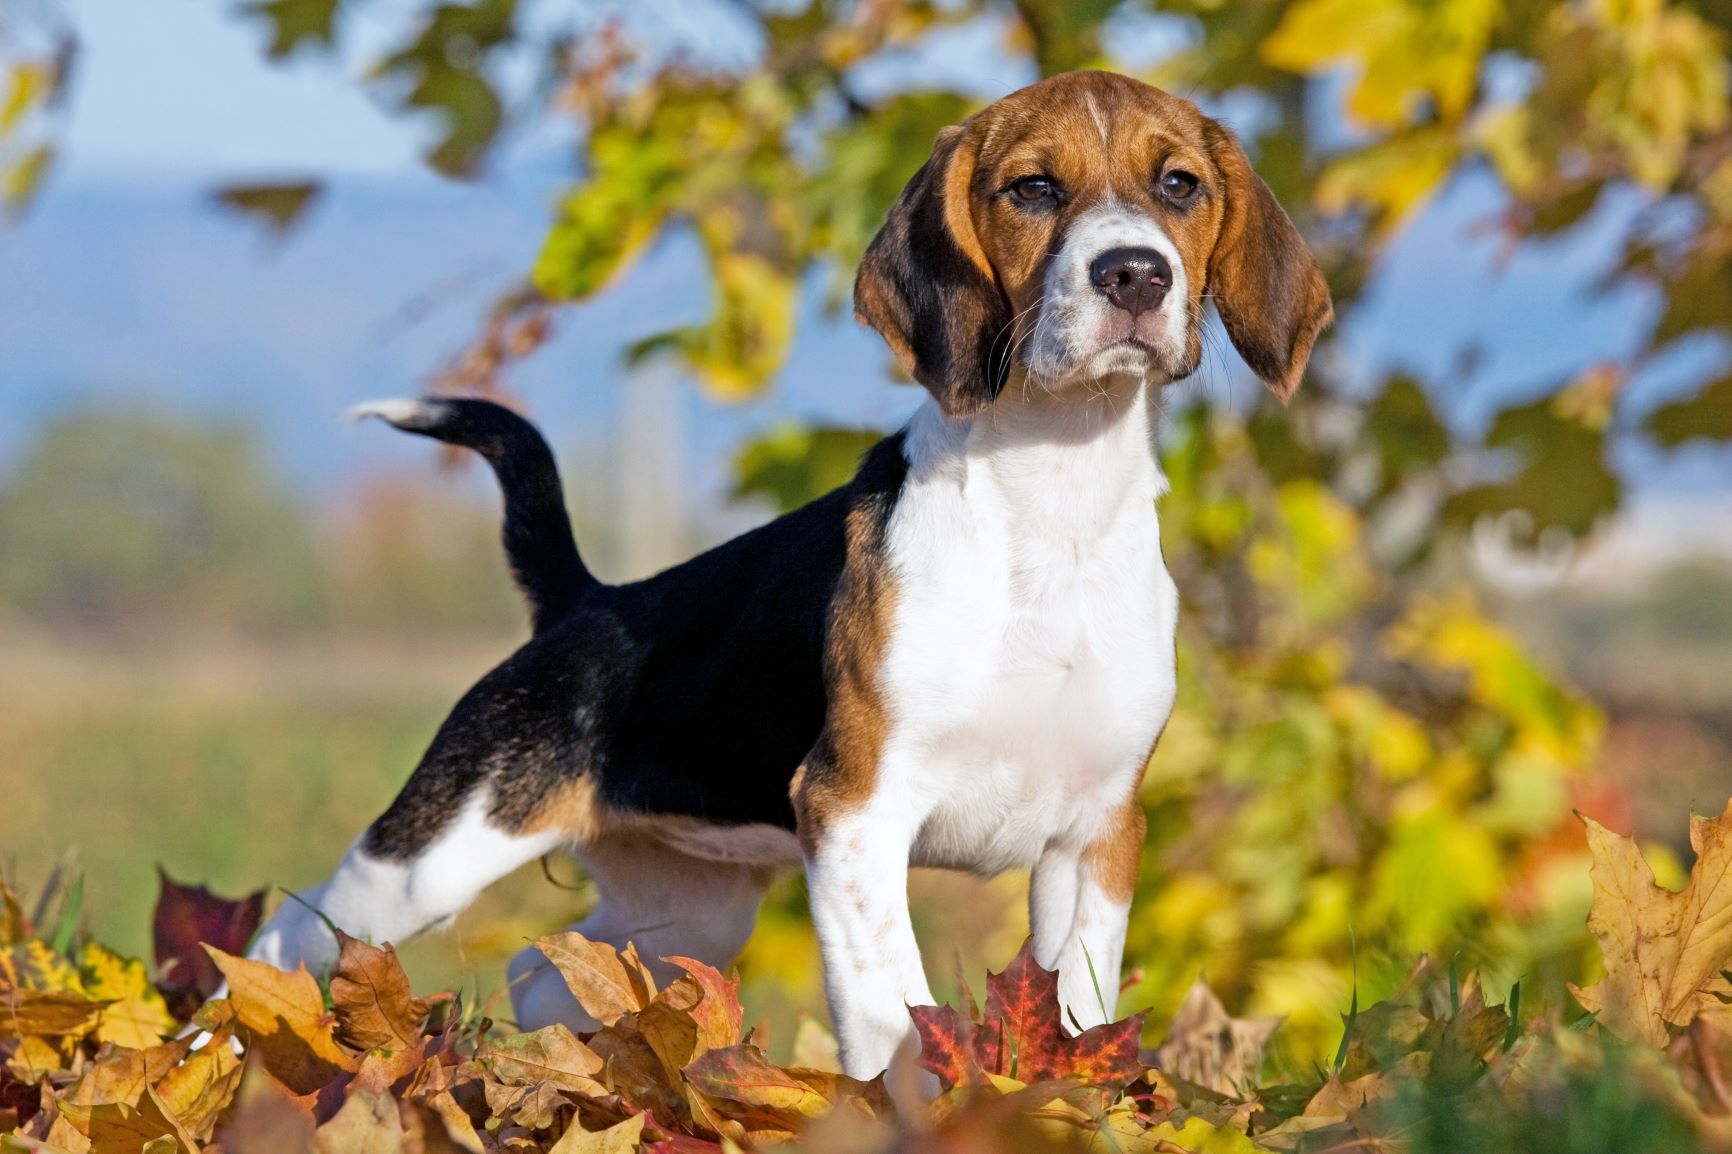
(1030, 663)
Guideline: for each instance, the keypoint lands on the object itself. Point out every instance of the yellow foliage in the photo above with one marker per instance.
(1314, 554)
(1448, 633)
(1392, 741)
(1438, 869)
(748, 335)
(35, 965)
(1393, 177)
(1309, 993)
(1303, 813)
(1404, 51)
(27, 84)
(1202, 1138)
(1663, 77)
(136, 1016)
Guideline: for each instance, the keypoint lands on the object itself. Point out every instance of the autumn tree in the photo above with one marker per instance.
(1362, 765)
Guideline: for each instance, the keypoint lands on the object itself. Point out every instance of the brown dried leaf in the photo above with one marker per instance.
(459, 1127)
(670, 1029)
(605, 983)
(535, 1107)
(1664, 951)
(428, 1132)
(34, 1058)
(284, 1016)
(266, 1121)
(50, 1013)
(742, 1074)
(717, 1014)
(366, 1124)
(551, 1054)
(623, 1138)
(1208, 1047)
(1469, 1038)
(200, 1088)
(121, 1076)
(14, 926)
(382, 1069)
(117, 1128)
(636, 1074)
(371, 997)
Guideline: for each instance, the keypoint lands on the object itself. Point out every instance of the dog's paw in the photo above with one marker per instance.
(295, 936)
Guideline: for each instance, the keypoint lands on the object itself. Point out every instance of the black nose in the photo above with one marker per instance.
(1135, 279)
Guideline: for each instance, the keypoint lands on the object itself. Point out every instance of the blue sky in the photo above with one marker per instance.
(123, 284)
(176, 88)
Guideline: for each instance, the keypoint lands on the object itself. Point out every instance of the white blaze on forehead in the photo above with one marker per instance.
(1100, 123)
(1074, 314)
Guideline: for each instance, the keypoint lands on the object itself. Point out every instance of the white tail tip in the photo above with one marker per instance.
(393, 411)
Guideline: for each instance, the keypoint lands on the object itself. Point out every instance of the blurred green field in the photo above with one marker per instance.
(237, 766)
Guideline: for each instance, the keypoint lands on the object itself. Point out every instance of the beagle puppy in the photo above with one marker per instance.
(962, 658)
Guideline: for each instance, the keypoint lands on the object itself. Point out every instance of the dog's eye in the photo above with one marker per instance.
(1178, 185)
(1035, 190)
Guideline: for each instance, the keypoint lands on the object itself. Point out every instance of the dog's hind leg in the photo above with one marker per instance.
(667, 903)
(411, 871)
(500, 785)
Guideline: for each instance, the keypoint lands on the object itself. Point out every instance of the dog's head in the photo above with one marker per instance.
(1071, 231)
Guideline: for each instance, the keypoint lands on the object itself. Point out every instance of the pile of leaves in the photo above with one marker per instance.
(103, 1054)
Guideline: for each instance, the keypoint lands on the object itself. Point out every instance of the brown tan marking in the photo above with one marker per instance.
(1114, 859)
(842, 768)
(572, 808)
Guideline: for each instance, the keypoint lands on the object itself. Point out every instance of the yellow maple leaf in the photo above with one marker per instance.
(136, 1016)
(1665, 951)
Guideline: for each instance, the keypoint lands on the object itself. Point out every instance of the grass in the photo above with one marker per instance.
(240, 766)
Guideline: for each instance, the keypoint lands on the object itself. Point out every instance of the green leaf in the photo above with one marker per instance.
(70, 910)
(1698, 295)
(296, 22)
(1403, 426)
(278, 207)
(1707, 415)
(1561, 478)
(793, 464)
(1350, 1024)
(444, 70)
(612, 215)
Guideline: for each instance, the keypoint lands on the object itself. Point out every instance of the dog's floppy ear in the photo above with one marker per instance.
(1266, 285)
(928, 288)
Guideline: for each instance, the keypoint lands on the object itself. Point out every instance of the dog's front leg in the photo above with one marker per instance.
(1079, 901)
(857, 880)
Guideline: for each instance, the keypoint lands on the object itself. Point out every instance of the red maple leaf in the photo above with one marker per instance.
(1021, 1036)
(187, 916)
(946, 1044)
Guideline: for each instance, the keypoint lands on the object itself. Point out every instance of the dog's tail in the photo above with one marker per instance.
(537, 533)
